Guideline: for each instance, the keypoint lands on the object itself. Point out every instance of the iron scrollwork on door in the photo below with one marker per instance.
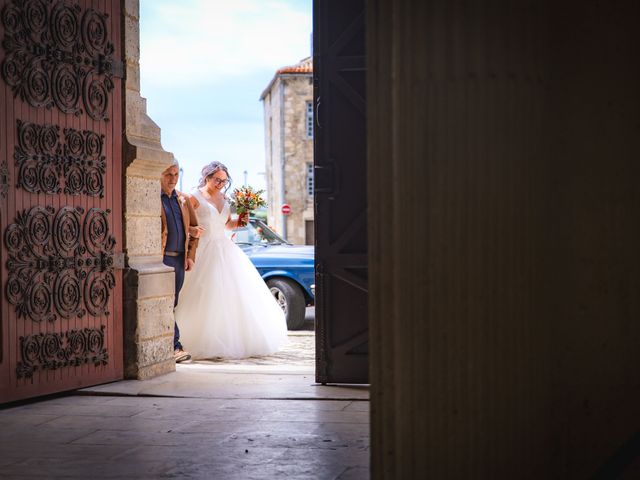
(50, 351)
(58, 54)
(60, 264)
(4, 179)
(42, 159)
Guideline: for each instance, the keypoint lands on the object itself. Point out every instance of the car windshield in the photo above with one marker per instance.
(256, 232)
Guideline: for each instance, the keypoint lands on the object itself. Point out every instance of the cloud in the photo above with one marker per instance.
(199, 42)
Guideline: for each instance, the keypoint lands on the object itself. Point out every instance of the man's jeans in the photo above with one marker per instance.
(178, 264)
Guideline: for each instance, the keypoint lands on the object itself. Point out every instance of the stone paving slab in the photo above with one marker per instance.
(195, 438)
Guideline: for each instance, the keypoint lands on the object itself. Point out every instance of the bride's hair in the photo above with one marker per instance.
(209, 170)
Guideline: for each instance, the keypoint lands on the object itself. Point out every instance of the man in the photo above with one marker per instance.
(180, 233)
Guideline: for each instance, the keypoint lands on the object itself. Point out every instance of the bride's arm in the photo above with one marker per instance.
(240, 222)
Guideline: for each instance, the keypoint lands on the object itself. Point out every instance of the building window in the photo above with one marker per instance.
(310, 180)
(309, 120)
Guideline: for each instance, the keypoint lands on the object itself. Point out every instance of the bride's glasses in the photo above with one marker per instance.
(220, 181)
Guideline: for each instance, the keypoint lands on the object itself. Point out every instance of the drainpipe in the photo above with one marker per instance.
(282, 176)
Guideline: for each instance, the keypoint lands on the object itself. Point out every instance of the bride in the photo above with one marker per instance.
(225, 308)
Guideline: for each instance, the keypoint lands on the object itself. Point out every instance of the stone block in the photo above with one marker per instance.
(155, 350)
(132, 45)
(143, 235)
(151, 371)
(142, 196)
(155, 317)
(156, 285)
(140, 125)
(132, 9)
(149, 129)
(132, 82)
(135, 112)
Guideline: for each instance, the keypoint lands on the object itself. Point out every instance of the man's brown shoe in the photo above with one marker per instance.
(180, 355)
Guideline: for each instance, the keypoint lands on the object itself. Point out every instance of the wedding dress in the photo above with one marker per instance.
(225, 308)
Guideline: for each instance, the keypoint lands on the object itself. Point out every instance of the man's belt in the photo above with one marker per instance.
(173, 254)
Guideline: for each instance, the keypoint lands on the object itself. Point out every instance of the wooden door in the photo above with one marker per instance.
(340, 176)
(60, 203)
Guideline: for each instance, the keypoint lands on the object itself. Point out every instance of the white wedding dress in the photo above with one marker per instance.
(225, 309)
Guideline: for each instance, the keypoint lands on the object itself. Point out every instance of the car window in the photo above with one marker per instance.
(246, 234)
(256, 232)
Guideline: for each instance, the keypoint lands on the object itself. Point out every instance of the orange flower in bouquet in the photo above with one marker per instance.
(245, 199)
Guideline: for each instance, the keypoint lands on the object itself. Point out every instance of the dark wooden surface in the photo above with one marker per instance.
(340, 192)
(16, 328)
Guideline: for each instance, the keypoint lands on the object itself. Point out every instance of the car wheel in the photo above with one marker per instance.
(291, 299)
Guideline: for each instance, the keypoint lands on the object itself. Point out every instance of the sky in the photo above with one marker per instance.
(203, 66)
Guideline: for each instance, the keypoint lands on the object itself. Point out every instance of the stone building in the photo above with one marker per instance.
(288, 124)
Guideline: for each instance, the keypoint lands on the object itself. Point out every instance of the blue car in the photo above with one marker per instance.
(287, 269)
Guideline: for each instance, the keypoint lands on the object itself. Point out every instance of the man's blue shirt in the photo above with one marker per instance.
(175, 225)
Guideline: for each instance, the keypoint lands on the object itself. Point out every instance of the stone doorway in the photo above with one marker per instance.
(148, 311)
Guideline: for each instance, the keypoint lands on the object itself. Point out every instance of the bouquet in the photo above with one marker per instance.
(245, 199)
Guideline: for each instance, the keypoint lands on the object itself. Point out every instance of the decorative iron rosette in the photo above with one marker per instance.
(45, 162)
(60, 263)
(50, 351)
(58, 54)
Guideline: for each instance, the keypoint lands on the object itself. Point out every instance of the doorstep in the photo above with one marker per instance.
(204, 380)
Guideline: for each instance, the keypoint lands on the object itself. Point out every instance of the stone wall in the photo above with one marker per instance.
(298, 153)
(148, 283)
(273, 152)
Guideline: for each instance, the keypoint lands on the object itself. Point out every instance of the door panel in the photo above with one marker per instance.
(60, 195)
(340, 192)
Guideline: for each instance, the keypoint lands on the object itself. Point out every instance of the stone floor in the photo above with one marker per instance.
(259, 419)
(299, 351)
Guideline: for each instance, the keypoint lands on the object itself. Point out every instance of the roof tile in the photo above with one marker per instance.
(304, 66)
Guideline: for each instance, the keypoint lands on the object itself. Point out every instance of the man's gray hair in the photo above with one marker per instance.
(174, 163)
